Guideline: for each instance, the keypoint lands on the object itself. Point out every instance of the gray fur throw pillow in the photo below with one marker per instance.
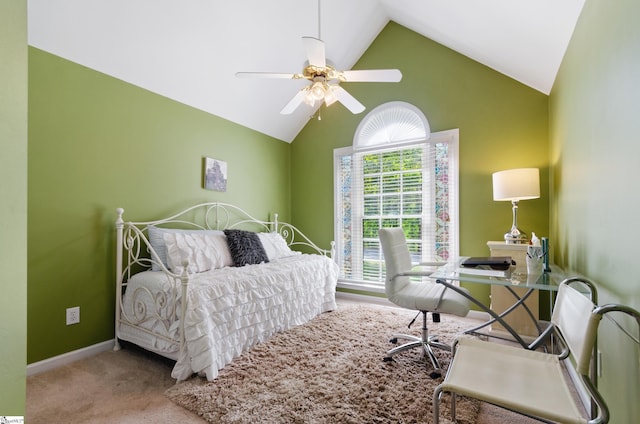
(245, 247)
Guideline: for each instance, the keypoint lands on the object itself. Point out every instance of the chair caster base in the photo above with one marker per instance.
(387, 359)
(435, 374)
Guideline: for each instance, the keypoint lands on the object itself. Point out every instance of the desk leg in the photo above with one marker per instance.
(494, 317)
(519, 302)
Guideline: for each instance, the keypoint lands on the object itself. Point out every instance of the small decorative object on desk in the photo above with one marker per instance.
(535, 256)
(545, 251)
(535, 241)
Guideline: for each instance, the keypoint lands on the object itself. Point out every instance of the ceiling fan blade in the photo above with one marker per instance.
(264, 75)
(294, 103)
(373, 75)
(315, 51)
(347, 99)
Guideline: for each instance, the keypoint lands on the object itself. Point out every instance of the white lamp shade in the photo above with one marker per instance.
(516, 184)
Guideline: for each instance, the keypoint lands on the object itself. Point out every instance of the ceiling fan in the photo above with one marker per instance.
(325, 79)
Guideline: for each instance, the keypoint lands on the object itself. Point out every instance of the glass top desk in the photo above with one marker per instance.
(546, 281)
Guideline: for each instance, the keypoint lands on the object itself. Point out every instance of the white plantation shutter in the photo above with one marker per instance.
(409, 184)
(391, 123)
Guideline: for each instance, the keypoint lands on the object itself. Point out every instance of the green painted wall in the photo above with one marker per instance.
(503, 124)
(97, 143)
(13, 206)
(595, 152)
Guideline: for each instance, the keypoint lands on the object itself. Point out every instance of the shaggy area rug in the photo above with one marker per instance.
(330, 370)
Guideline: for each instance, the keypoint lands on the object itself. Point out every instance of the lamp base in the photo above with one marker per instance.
(516, 237)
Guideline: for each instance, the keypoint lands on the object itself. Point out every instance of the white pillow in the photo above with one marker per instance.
(275, 246)
(203, 250)
(156, 240)
(218, 241)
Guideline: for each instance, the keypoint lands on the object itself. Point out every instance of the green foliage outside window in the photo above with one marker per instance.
(392, 186)
(398, 188)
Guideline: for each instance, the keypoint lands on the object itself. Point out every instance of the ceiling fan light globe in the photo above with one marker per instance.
(317, 91)
(309, 99)
(329, 100)
(329, 97)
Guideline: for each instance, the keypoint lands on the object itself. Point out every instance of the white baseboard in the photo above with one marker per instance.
(76, 355)
(582, 392)
(355, 297)
(69, 357)
(479, 315)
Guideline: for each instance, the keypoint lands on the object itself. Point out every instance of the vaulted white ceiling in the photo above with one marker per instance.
(190, 50)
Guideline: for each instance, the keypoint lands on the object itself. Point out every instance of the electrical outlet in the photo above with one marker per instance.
(73, 315)
(599, 358)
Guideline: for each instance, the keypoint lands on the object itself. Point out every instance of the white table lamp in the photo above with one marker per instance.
(514, 185)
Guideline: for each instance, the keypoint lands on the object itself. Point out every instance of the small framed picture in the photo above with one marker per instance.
(215, 174)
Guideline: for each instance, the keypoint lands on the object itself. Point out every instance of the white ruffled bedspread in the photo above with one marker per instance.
(232, 309)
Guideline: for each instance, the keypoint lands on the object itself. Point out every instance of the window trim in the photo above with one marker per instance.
(451, 137)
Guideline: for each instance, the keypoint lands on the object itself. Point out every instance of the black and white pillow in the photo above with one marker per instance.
(245, 247)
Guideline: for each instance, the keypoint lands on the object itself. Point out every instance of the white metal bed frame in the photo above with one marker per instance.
(134, 254)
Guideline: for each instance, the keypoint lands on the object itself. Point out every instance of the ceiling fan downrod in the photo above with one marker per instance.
(319, 27)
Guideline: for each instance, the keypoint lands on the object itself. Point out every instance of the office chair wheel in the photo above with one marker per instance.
(394, 340)
(387, 359)
(435, 374)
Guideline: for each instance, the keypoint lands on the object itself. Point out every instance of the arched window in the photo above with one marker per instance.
(396, 174)
(391, 123)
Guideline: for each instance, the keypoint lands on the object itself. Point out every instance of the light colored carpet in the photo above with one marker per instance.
(129, 386)
(329, 370)
(124, 387)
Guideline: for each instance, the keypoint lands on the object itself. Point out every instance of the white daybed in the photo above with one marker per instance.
(228, 308)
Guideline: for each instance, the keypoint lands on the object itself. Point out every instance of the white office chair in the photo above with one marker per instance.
(423, 296)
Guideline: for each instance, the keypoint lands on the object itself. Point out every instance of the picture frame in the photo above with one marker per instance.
(215, 174)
